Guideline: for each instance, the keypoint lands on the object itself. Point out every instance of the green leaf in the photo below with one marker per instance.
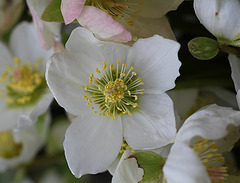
(151, 163)
(203, 48)
(53, 13)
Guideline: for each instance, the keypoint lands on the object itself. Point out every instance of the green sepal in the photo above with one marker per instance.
(53, 13)
(152, 165)
(203, 48)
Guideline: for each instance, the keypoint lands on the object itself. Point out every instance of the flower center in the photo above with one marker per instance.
(21, 82)
(213, 161)
(116, 92)
(118, 9)
(9, 148)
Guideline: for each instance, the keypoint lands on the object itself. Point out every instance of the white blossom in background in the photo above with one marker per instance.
(197, 153)
(221, 18)
(21, 144)
(115, 91)
(235, 66)
(24, 94)
(48, 32)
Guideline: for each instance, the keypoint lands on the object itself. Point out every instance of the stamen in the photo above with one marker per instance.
(111, 91)
(22, 82)
(213, 161)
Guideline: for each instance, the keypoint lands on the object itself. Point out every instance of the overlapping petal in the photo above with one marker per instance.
(183, 165)
(204, 123)
(127, 170)
(103, 25)
(71, 9)
(154, 123)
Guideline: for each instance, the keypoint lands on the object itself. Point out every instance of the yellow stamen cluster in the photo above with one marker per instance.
(21, 81)
(211, 159)
(9, 148)
(125, 147)
(116, 92)
(119, 9)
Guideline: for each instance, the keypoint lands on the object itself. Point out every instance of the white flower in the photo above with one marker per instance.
(196, 155)
(235, 66)
(23, 91)
(125, 88)
(221, 18)
(20, 144)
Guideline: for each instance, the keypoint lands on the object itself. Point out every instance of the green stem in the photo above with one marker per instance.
(19, 176)
(229, 49)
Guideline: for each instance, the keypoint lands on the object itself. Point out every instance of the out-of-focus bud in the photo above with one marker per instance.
(10, 11)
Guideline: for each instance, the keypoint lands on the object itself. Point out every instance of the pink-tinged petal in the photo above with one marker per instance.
(71, 9)
(103, 25)
(39, 26)
(92, 143)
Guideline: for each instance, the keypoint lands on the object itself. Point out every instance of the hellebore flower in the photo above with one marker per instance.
(115, 91)
(220, 17)
(197, 153)
(23, 90)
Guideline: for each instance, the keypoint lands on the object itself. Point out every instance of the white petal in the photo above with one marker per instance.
(212, 122)
(64, 77)
(128, 170)
(220, 17)
(19, 43)
(238, 98)
(9, 117)
(183, 165)
(41, 106)
(235, 66)
(153, 125)
(5, 58)
(83, 45)
(31, 141)
(158, 66)
(92, 143)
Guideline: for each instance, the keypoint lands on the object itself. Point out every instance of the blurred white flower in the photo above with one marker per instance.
(196, 155)
(24, 94)
(125, 99)
(235, 66)
(221, 18)
(20, 146)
